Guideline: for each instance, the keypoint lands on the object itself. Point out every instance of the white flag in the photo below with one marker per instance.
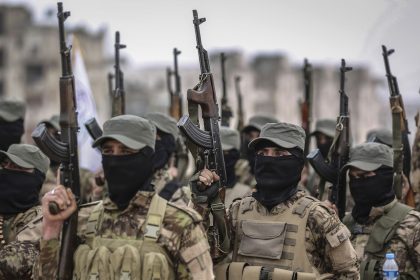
(89, 158)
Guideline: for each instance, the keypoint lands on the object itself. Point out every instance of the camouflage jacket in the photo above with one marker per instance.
(161, 177)
(405, 242)
(17, 258)
(326, 251)
(182, 236)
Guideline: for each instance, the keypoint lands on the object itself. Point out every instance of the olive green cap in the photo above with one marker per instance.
(325, 126)
(230, 138)
(258, 121)
(370, 156)
(132, 131)
(165, 123)
(27, 156)
(11, 111)
(54, 121)
(285, 135)
(382, 135)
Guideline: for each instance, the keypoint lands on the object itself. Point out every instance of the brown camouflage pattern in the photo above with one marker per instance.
(405, 243)
(162, 176)
(17, 259)
(182, 232)
(415, 164)
(322, 223)
(12, 225)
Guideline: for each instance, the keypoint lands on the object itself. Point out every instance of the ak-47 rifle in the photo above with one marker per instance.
(175, 109)
(64, 151)
(240, 113)
(118, 98)
(400, 143)
(330, 169)
(207, 140)
(226, 110)
(117, 94)
(306, 104)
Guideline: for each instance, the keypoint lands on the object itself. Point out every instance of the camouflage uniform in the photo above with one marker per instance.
(415, 164)
(327, 252)
(405, 242)
(18, 257)
(182, 236)
(298, 228)
(393, 227)
(161, 177)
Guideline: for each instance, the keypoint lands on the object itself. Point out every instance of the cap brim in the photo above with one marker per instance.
(326, 132)
(17, 160)
(366, 166)
(275, 141)
(132, 144)
(250, 127)
(8, 117)
(226, 147)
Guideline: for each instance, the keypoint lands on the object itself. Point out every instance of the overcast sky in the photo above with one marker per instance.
(322, 30)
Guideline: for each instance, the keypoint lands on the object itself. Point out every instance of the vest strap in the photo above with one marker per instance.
(154, 218)
(95, 220)
(385, 227)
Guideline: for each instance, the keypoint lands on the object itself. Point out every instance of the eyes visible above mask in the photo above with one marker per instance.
(116, 148)
(356, 173)
(273, 152)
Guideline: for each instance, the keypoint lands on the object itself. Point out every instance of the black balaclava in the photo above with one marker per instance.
(277, 177)
(10, 133)
(231, 157)
(128, 174)
(163, 149)
(324, 148)
(19, 190)
(371, 192)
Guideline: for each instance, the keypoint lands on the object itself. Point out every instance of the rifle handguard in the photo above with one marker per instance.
(54, 149)
(322, 168)
(199, 137)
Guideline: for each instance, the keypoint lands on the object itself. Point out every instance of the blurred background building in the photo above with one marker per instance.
(271, 84)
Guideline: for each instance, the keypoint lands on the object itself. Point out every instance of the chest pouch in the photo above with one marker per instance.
(262, 239)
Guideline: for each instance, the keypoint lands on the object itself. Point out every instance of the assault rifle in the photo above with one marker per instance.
(208, 140)
(118, 98)
(329, 169)
(226, 110)
(175, 109)
(306, 104)
(64, 151)
(240, 113)
(117, 94)
(400, 143)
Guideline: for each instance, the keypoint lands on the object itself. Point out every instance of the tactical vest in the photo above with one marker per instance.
(376, 239)
(126, 258)
(274, 242)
